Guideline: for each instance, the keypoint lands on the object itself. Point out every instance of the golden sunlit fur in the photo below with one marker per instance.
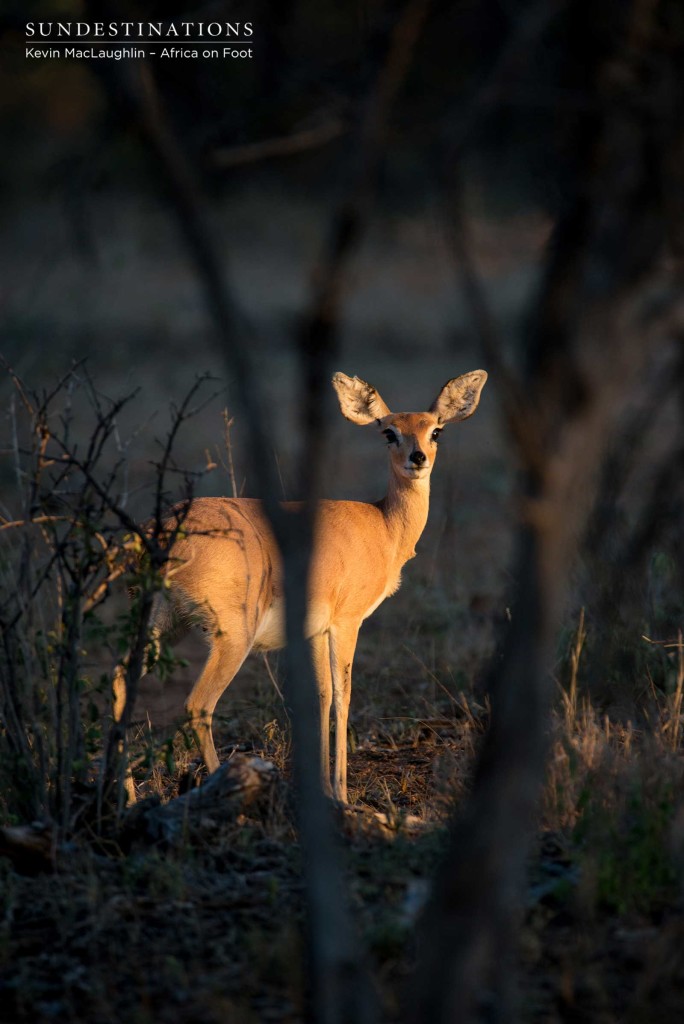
(225, 572)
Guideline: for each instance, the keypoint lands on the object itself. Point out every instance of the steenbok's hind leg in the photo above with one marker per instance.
(119, 691)
(120, 696)
(225, 658)
(119, 681)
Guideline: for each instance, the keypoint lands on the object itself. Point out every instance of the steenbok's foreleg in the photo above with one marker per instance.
(225, 658)
(343, 639)
(320, 654)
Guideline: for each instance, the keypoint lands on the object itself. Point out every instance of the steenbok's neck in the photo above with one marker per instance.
(406, 511)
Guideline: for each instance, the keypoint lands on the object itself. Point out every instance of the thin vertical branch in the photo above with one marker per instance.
(588, 344)
(339, 991)
(227, 424)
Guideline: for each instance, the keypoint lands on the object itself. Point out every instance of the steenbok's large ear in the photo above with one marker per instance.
(359, 402)
(459, 398)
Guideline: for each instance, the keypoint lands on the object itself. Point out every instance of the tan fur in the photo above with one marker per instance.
(225, 573)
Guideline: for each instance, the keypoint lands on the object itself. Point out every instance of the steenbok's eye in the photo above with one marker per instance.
(391, 437)
(435, 436)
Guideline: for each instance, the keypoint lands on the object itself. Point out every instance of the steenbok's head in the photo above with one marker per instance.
(412, 437)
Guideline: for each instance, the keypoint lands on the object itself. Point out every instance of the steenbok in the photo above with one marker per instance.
(224, 572)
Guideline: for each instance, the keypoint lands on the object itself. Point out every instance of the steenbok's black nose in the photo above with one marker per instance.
(417, 457)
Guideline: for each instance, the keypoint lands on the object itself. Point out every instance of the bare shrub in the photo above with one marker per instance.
(66, 535)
